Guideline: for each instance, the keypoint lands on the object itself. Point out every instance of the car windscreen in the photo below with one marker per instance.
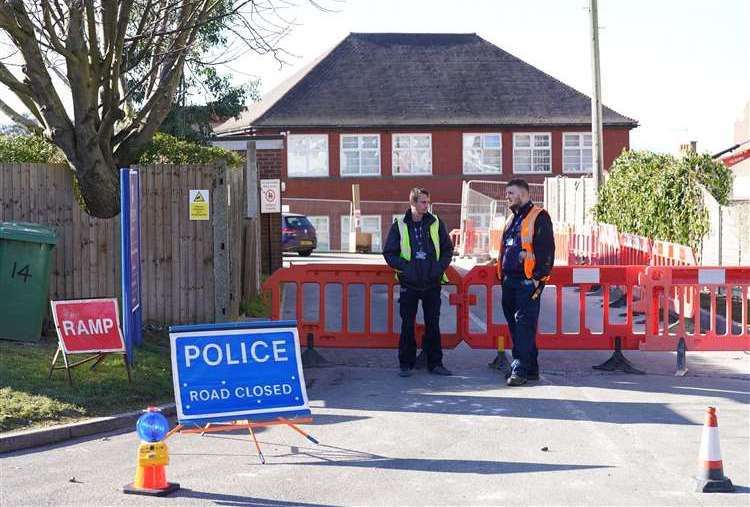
(298, 222)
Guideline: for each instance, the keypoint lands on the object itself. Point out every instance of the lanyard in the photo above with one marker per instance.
(418, 233)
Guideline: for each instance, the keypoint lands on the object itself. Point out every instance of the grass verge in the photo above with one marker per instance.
(28, 399)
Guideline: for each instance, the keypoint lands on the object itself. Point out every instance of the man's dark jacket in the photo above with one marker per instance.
(419, 274)
(543, 243)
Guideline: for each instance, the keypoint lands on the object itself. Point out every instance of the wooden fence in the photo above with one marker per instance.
(191, 270)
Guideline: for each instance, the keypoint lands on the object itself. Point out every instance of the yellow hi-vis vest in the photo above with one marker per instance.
(403, 231)
(527, 237)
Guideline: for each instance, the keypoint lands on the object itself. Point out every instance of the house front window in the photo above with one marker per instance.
(307, 155)
(577, 154)
(360, 155)
(482, 154)
(322, 231)
(369, 223)
(532, 153)
(412, 154)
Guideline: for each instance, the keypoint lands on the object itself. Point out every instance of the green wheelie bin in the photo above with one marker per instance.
(25, 258)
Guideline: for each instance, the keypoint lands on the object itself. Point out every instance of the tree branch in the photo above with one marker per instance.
(50, 28)
(196, 25)
(15, 20)
(95, 56)
(30, 125)
(21, 90)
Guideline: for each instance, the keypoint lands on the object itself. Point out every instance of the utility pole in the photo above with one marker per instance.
(597, 139)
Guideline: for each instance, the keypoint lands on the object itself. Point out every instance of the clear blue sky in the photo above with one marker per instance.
(681, 68)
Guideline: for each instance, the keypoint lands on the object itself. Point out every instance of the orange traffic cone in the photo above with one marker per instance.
(711, 477)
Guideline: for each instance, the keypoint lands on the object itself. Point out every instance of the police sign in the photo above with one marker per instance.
(240, 370)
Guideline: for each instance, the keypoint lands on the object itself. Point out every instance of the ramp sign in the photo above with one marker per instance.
(88, 325)
(240, 370)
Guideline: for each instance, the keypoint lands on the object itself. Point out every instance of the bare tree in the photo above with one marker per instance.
(117, 64)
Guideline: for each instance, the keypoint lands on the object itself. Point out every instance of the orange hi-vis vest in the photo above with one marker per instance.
(527, 237)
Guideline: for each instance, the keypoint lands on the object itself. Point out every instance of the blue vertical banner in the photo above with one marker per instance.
(130, 260)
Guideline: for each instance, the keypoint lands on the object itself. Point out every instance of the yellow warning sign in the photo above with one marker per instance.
(199, 205)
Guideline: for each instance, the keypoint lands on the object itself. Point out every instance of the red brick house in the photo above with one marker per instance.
(393, 111)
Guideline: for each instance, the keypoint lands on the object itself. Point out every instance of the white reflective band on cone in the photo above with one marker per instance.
(710, 448)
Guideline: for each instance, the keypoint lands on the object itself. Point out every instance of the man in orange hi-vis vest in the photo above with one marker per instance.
(527, 254)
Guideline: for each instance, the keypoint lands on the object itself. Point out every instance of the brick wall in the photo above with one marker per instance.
(269, 167)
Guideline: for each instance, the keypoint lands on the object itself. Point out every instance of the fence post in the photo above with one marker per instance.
(220, 223)
(251, 257)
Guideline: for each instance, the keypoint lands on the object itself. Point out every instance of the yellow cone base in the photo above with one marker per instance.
(131, 489)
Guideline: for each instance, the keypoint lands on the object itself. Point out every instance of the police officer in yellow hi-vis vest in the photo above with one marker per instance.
(527, 254)
(420, 250)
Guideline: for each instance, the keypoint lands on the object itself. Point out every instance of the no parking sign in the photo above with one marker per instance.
(270, 196)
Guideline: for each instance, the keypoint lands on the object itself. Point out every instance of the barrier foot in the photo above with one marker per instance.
(681, 359)
(594, 289)
(500, 362)
(421, 362)
(618, 362)
(311, 358)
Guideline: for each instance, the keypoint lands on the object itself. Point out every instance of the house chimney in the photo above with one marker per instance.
(691, 147)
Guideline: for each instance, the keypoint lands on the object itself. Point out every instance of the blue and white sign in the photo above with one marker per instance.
(130, 260)
(239, 370)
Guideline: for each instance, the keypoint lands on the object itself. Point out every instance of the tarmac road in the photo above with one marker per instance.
(576, 437)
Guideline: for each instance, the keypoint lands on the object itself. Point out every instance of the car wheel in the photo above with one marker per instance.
(305, 253)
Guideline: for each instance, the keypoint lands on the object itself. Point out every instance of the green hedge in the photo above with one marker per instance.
(164, 149)
(658, 196)
(29, 149)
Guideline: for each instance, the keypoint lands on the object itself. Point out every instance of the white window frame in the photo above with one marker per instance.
(531, 151)
(327, 220)
(296, 173)
(579, 148)
(345, 218)
(482, 136)
(358, 150)
(394, 150)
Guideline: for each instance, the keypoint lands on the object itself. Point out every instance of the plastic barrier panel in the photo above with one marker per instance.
(635, 250)
(572, 314)
(665, 253)
(646, 307)
(707, 307)
(353, 306)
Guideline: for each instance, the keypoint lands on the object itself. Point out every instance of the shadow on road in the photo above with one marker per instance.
(326, 455)
(535, 408)
(222, 499)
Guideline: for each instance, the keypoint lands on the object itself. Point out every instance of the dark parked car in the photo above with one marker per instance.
(297, 234)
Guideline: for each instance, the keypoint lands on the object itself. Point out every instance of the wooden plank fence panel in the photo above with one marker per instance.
(175, 240)
(148, 237)
(204, 246)
(191, 227)
(177, 267)
(166, 262)
(157, 180)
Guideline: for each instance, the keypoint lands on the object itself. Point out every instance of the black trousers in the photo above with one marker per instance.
(522, 314)
(407, 345)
